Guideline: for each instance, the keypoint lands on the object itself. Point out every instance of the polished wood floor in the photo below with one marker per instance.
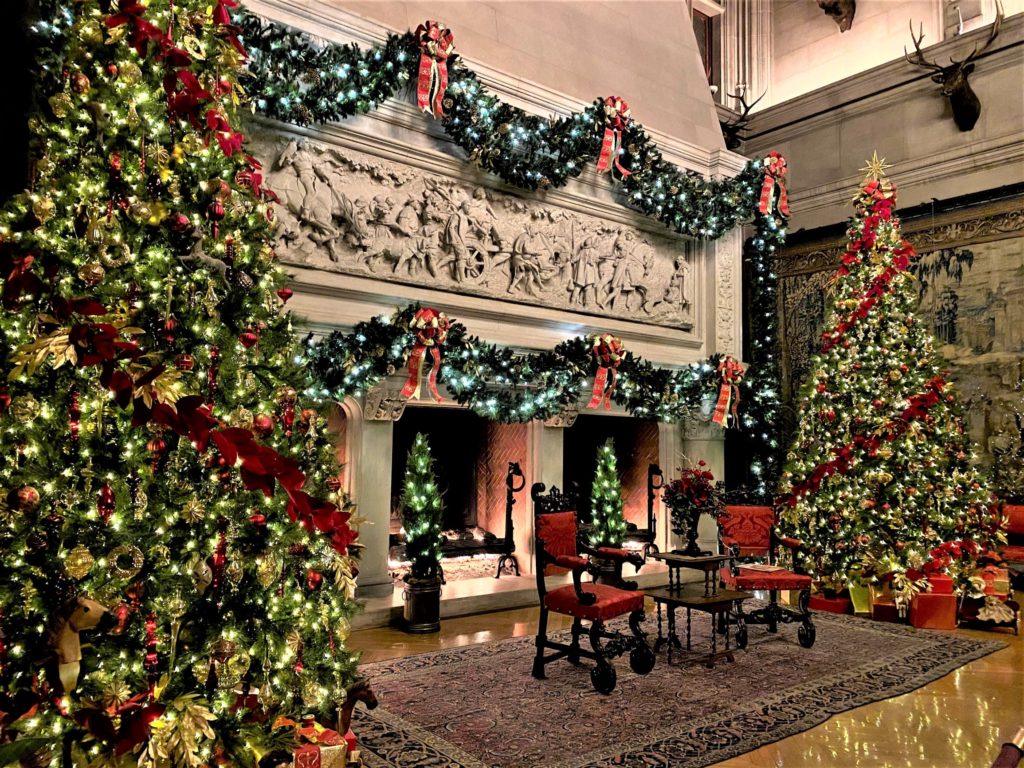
(959, 721)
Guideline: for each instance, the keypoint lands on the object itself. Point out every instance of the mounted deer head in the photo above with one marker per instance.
(733, 130)
(841, 11)
(954, 77)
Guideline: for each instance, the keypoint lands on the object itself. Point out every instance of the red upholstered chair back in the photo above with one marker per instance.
(750, 527)
(1014, 519)
(556, 532)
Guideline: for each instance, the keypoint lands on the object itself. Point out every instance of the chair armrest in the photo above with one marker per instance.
(734, 552)
(578, 566)
(790, 543)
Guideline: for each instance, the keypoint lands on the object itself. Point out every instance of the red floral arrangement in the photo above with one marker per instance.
(692, 494)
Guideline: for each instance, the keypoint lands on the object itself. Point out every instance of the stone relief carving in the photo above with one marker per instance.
(726, 287)
(563, 420)
(351, 213)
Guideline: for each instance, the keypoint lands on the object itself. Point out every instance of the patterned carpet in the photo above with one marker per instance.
(478, 706)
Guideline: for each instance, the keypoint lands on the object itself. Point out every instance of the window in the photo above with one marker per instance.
(707, 28)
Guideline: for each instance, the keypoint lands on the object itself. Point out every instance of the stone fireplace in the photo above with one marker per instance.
(383, 210)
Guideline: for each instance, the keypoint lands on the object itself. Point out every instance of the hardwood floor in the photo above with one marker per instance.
(958, 721)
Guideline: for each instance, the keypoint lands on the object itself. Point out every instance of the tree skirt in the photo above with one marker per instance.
(478, 706)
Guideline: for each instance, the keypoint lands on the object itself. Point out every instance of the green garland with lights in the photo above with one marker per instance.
(501, 384)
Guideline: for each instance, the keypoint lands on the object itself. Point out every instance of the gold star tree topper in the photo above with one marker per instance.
(875, 168)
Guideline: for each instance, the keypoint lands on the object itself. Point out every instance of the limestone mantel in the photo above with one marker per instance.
(383, 210)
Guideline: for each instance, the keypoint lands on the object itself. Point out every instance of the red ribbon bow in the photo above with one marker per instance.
(774, 176)
(130, 12)
(617, 119)
(437, 43)
(608, 353)
(431, 329)
(729, 395)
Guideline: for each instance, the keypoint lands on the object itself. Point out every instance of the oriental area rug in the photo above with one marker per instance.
(478, 707)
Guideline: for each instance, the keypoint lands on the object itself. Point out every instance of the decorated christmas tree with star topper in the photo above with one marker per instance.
(176, 566)
(880, 481)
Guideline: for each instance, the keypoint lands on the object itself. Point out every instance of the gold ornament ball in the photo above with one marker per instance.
(92, 273)
(229, 674)
(80, 83)
(141, 211)
(61, 105)
(24, 409)
(130, 73)
(242, 417)
(313, 694)
(44, 209)
(79, 562)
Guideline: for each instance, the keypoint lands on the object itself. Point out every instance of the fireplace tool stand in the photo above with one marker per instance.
(508, 546)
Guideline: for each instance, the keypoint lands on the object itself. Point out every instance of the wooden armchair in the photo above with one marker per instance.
(749, 532)
(557, 551)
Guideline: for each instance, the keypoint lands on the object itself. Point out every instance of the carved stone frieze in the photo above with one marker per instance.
(352, 213)
(384, 404)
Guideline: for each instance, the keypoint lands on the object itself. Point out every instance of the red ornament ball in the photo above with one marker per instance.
(284, 294)
(314, 579)
(249, 338)
(184, 362)
(215, 211)
(263, 423)
(25, 499)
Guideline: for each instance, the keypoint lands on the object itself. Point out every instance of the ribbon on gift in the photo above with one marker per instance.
(617, 119)
(431, 329)
(437, 43)
(729, 395)
(608, 352)
(774, 177)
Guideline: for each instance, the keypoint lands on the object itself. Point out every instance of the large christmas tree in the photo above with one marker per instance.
(175, 566)
(880, 478)
(607, 519)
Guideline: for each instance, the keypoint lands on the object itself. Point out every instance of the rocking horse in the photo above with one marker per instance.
(359, 691)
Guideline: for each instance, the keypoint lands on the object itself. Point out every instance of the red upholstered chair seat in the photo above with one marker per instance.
(1013, 552)
(611, 602)
(752, 579)
(1014, 518)
(750, 527)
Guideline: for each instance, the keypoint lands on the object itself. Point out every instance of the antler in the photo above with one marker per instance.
(991, 38)
(746, 107)
(919, 59)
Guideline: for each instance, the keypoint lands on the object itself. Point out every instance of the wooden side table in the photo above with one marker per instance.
(694, 599)
(709, 564)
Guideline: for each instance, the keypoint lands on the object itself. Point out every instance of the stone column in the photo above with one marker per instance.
(705, 440)
(371, 449)
(669, 459)
(747, 52)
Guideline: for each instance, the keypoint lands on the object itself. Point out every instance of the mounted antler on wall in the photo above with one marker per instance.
(733, 130)
(954, 77)
(841, 11)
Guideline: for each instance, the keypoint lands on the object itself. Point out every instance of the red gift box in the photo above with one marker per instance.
(884, 609)
(830, 604)
(941, 584)
(997, 581)
(930, 610)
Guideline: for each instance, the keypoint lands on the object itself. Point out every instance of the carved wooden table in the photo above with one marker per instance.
(693, 599)
(709, 564)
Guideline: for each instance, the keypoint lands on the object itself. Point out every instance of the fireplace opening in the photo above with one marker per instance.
(636, 447)
(472, 457)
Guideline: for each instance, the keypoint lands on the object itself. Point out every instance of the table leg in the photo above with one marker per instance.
(726, 634)
(707, 583)
(714, 643)
(687, 628)
(661, 639)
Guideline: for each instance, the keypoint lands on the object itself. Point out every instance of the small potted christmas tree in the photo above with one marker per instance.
(422, 511)
(608, 522)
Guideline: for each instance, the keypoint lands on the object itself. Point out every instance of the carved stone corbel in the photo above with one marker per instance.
(383, 404)
(563, 420)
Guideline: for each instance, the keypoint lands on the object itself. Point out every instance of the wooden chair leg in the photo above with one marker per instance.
(773, 611)
(542, 638)
(577, 630)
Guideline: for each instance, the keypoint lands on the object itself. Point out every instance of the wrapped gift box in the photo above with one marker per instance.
(884, 609)
(997, 581)
(830, 604)
(321, 756)
(940, 584)
(861, 598)
(929, 610)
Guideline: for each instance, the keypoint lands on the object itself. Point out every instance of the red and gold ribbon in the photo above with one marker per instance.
(617, 119)
(437, 43)
(608, 353)
(774, 177)
(431, 329)
(729, 395)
